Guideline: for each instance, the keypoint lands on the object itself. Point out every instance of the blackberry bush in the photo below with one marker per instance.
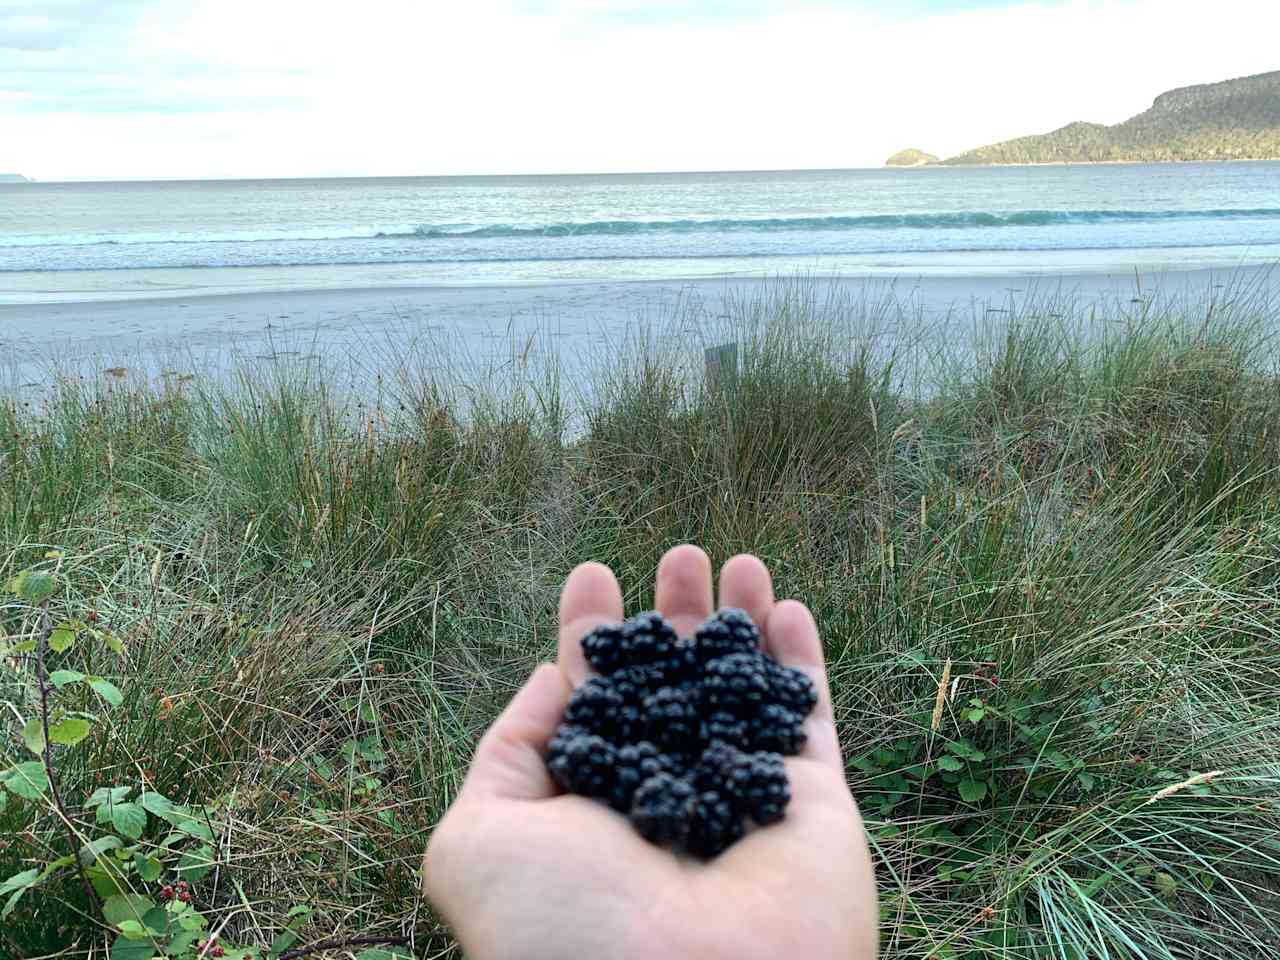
(685, 737)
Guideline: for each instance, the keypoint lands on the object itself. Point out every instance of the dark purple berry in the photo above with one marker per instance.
(726, 632)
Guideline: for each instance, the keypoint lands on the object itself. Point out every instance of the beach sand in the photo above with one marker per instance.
(484, 322)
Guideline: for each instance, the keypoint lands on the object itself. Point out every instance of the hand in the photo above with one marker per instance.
(521, 870)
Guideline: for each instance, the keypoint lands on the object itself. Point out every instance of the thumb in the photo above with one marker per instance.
(509, 760)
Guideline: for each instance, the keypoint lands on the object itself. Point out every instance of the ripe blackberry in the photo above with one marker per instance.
(663, 807)
(736, 683)
(725, 632)
(672, 719)
(724, 727)
(635, 683)
(644, 639)
(582, 762)
(714, 826)
(776, 729)
(792, 688)
(756, 783)
(594, 706)
(636, 763)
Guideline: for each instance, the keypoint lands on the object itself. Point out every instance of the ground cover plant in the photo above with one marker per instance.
(252, 628)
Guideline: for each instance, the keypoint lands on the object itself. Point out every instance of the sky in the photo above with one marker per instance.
(290, 88)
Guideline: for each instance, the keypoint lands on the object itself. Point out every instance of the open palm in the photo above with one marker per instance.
(522, 870)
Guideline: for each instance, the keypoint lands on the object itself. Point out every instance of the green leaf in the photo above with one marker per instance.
(181, 942)
(129, 818)
(107, 690)
(382, 953)
(94, 849)
(149, 868)
(126, 949)
(195, 864)
(134, 930)
(26, 780)
(62, 637)
(60, 678)
(1166, 884)
(157, 920)
(975, 714)
(282, 942)
(162, 806)
(951, 764)
(972, 791)
(11, 903)
(4, 800)
(110, 640)
(107, 795)
(33, 586)
(126, 906)
(33, 736)
(71, 731)
(21, 881)
(25, 646)
(1087, 780)
(192, 921)
(194, 828)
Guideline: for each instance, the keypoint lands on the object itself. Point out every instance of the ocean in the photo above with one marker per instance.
(63, 242)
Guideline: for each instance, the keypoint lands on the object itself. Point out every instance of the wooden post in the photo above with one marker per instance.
(722, 365)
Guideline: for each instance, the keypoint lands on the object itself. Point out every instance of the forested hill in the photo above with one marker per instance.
(1232, 120)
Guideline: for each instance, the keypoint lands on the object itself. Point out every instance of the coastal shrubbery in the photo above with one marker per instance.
(265, 622)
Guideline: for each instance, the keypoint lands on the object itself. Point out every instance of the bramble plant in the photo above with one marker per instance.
(140, 857)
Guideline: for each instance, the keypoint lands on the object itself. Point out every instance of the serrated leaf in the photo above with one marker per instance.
(162, 806)
(26, 780)
(60, 678)
(70, 731)
(180, 942)
(125, 906)
(157, 920)
(106, 882)
(149, 868)
(107, 690)
(130, 819)
(61, 638)
(192, 921)
(134, 930)
(972, 791)
(94, 849)
(33, 736)
(952, 764)
(195, 864)
(195, 828)
(107, 795)
(33, 586)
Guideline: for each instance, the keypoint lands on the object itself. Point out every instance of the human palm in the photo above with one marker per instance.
(521, 870)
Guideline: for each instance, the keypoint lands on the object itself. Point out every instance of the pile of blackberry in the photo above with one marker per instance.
(685, 737)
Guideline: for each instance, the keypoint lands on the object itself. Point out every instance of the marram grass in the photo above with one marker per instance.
(1045, 558)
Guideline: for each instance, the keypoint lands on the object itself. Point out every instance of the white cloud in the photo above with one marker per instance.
(294, 88)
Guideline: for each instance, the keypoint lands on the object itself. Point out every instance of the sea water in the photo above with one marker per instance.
(94, 240)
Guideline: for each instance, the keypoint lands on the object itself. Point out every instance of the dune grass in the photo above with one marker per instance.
(1044, 551)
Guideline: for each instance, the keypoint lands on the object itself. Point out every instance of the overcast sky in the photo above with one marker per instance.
(245, 88)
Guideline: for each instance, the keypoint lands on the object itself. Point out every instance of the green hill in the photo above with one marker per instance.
(1232, 120)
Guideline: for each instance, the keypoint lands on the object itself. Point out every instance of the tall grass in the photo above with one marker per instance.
(325, 599)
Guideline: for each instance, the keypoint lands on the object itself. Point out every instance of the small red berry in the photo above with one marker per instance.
(184, 897)
(92, 616)
(183, 885)
(216, 952)
(166, 892)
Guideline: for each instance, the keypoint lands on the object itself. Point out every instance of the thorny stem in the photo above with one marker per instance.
(339, 942)
(46, 757)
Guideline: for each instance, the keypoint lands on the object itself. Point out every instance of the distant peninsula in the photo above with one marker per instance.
(910, 158)
(1232, 120)
(13, 178)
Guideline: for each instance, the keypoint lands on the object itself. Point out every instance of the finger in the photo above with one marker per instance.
(682, 592)
(745, 583)
(792, 638)
(509, 759)
(591, 596)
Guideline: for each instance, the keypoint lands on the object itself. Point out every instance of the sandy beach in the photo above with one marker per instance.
(483, 322)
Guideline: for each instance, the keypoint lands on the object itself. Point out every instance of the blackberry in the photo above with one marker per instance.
(792, 688)
(714, 826)
(636, 763)
(724, 632)
(736, 682)
(756, 783)
(672, 719)
(686, 737)
(594, 706)
(644, 639)
(724, 727)
(581, 762)
(776, 729)
(663, 809)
